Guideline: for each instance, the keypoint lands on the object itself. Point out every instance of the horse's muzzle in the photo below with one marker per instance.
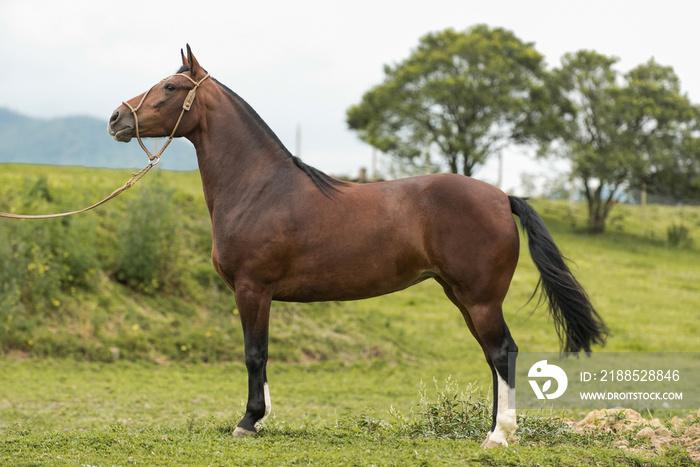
(121, 125)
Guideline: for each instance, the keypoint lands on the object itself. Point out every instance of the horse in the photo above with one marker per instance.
(283, 230)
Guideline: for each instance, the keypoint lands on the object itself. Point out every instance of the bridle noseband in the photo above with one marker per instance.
(186, 105)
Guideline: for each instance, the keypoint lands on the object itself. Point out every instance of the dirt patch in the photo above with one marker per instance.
(651, 436)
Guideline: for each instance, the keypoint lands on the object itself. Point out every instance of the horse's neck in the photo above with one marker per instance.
(236, 157)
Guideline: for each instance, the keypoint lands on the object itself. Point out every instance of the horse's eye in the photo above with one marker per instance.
(170, 87)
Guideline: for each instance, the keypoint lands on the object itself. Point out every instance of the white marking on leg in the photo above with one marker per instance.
(268, 403)
(505, 416)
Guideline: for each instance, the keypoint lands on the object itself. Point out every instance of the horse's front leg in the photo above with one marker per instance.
(254, 309)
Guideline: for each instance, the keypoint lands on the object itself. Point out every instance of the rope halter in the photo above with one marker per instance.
(186, 105)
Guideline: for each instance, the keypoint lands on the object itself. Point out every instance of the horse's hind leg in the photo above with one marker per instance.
(497, 348)
(486, 323)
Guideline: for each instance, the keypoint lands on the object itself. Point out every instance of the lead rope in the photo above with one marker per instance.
(136, 176)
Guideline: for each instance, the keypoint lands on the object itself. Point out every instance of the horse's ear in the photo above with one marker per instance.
(192, 62)
(184, 59)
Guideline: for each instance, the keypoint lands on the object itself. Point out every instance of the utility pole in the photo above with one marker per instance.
(499, 183)
(572, 192)
(298, 146)
(374, 163)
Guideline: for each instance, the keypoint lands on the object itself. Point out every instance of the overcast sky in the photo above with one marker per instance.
(300, 62)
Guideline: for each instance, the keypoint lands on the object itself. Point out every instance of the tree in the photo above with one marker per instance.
(676, 174)
(618, 131)
(665, 130)
(590, 136)
(462, 95)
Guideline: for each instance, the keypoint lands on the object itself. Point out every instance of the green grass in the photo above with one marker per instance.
(72, 413)
(326, 446)
(119, 373)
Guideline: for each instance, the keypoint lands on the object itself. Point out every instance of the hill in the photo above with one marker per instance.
(133, 280)
(78, 141)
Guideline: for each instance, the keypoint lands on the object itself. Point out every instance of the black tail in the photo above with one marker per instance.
(577, 323)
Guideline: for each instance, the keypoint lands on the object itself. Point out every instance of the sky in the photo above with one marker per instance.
(302, 63)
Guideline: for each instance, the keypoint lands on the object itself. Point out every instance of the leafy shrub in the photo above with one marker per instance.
(148, 242)
(43, 258)
(679, 236)
(41, 263)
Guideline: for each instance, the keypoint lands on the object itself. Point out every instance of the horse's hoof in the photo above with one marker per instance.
(488, 444)
(243, 433)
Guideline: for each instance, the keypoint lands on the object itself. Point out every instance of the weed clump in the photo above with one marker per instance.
(454, 413)
(679, 236)
(451, 413)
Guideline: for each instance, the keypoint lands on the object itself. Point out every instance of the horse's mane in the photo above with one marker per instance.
(327, 184)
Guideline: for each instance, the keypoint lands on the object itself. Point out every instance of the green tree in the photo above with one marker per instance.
(665, 131)
(619, 129)
(676, 173)
(590, 137)
(462, 95)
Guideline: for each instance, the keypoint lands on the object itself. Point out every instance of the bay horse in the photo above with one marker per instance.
(283, 230)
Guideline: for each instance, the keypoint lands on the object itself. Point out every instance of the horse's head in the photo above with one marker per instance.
(167, 109)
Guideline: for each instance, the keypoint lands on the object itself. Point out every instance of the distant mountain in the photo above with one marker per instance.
(80, 141)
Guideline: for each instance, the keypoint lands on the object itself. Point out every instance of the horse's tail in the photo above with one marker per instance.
(576, 321)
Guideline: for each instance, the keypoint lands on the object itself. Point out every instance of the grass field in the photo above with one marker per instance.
(119, 374)
(72, 413)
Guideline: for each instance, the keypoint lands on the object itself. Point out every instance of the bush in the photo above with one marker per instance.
(679, 236)
(41, 263)
(43, 258)
(148, 242)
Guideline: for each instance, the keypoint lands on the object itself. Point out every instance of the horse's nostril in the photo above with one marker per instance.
(115, 116)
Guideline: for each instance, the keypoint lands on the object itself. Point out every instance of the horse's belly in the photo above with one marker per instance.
(341, 277)
(350, 290)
